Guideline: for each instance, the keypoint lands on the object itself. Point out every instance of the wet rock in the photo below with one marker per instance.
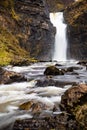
(35, 106)
(50, 81)
(53, 122)
(52, 70)
(73, 97)
(7, 77)
(74, 101)
(58, 65)
(84, 63)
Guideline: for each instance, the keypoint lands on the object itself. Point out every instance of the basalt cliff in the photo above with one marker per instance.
(26, 32)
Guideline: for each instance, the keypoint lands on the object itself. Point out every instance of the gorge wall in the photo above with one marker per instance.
(75, 16)
(25, 31)
(58, 5)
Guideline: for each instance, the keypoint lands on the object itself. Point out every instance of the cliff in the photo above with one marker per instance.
(25, 31)
(75, 16)
(58, 5)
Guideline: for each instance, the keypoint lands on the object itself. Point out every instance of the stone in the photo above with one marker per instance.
(36, 107)
(73, 96)
(50, 122)
(7, 77)
(52, 70)
(74, 102)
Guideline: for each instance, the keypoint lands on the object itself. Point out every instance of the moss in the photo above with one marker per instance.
(10, 51)
(80, 113)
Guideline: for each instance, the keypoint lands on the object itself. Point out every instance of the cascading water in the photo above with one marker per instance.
(60, 48)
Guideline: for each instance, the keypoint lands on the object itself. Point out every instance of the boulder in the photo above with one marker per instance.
(7, 77)
(49, 122)
(52, 70)
(74, 102)
(73, 97)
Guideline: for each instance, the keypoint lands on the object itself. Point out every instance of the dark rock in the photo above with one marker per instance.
(51, 122)
(7, 77)
(73, 97)
(52, 70)
(75, 16)
(50, 81)
(84, 63)
(74, 101)
(58, 64)
(35, 106)
(26, 31)
(36, 28)
(58, 5)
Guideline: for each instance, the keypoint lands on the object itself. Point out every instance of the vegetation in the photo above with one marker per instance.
(9, 48)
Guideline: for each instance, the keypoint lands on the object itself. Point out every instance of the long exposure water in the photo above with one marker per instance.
(14, 94)
(60, 47)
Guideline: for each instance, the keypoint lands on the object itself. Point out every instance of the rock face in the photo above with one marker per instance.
(74, 101)
(75, 16)
(26, 30)
(58, 5)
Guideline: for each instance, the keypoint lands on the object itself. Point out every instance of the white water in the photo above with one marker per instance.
(60, 48)
(12, 95)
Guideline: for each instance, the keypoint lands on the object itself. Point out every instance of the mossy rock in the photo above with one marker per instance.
(80, 113)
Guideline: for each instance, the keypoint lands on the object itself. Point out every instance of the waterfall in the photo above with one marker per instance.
(60, 48)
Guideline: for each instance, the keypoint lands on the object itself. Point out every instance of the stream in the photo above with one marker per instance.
(14, 94)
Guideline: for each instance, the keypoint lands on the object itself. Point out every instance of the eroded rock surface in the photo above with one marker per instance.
(26, 31)
(75, 16)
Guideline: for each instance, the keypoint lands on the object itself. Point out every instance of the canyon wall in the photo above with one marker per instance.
(75, 16)
(25, 31)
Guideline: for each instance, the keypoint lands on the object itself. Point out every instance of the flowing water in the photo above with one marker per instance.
(60, 47)
(36, 87)
(12, 95)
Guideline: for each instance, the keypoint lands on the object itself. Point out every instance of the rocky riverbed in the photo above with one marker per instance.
(42, 100)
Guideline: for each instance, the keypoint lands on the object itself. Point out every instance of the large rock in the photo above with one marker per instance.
(74, 102)
(75, 16)
(48, 122)
(52, 70)
(7, 77)
(25, 31)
